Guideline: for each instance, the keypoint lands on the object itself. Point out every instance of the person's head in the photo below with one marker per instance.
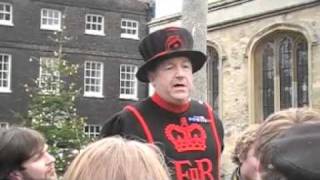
(118, 158)
(243, 154)
(24, 155)
(280, 121)
(293, 155)
(275, 125)
(170, 62)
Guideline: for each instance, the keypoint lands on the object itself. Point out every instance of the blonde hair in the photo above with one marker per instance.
(116, 158)
(244, 143)
(278, 122)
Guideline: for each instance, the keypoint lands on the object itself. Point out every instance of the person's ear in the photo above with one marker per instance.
(151, 77)
(15, 175)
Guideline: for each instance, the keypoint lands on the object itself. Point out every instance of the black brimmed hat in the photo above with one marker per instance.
(295, 154)
(168, 43)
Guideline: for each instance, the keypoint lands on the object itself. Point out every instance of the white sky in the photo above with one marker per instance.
(167, 7)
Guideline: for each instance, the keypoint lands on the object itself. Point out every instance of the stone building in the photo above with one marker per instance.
(104, 39)
(263, 57)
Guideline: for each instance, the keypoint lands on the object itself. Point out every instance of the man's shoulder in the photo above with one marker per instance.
(199, 104)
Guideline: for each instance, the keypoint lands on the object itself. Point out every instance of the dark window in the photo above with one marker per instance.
(214, 73)
(285, 60)
(268, 80)
(302, 73)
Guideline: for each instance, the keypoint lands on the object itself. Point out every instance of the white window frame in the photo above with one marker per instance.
(4, 125)
(53, 26)
(97, 77)
(6, 89)
(127, 29)
(132, 80)
(45, 73)
(4, 12)
(91, 130)
(91, 23)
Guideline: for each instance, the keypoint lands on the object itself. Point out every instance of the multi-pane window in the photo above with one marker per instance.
(49, 75)
(92, 130)
(5, 14)
(128, 81)
(93, 78)
(268, 79)
(129, 29)
(213, 65)
(5, 72)
(302, 73)
(284, 63)
(50, 19)
(94, 24)
(4, 125)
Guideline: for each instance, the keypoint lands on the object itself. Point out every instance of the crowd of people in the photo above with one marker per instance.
(170, 136)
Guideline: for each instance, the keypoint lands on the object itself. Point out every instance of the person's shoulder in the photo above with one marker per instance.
(146, 102)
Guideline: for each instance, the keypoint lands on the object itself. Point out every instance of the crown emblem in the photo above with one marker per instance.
(173, 42)
(186, 137)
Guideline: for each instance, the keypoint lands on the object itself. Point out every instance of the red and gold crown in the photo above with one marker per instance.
(186, 137)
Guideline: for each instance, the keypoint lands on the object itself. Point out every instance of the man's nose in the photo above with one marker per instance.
(180, 72)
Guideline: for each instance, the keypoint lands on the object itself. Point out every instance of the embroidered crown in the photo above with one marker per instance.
(186, 137)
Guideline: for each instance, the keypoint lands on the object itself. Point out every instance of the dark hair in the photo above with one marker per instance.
(17, 145)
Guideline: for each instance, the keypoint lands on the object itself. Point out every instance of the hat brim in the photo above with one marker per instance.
(197, 59)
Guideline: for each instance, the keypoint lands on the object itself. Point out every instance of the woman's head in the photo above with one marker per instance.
(280, 121)
(118, 158)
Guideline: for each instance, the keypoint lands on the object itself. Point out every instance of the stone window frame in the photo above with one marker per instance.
(276, 37)
(214, 82)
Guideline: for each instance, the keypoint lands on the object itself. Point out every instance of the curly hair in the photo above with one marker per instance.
(243, 144)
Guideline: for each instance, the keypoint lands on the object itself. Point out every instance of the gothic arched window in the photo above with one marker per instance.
(282, 67)
(213, 69)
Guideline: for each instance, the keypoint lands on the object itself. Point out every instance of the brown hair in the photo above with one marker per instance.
(279, 121)
(17, 145)
(118, 158)
(273, 127)
(244, 144)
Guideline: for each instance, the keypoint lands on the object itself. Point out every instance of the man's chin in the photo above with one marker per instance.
(182, 98)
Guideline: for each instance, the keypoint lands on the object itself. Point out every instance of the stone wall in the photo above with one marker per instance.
(234, 41)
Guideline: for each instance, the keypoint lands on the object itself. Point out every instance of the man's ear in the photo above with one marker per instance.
(151, 76)
(15, 175)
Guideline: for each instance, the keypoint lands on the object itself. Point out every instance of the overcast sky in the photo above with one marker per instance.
(167, 7)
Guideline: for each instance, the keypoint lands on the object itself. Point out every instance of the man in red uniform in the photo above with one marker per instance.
(188, 131)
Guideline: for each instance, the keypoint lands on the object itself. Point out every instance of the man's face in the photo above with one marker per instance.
(40, 167)
(172, 80)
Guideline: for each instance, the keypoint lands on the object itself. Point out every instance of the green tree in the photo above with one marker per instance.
(52, 108)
